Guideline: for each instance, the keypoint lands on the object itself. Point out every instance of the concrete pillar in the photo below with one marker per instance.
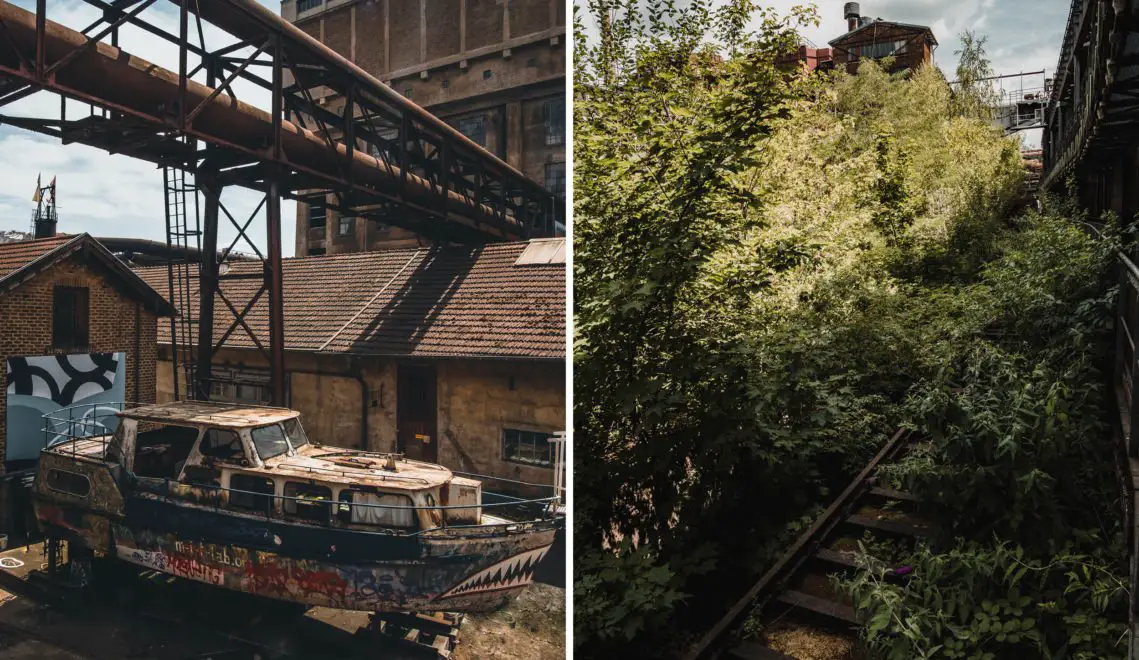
(514, 134)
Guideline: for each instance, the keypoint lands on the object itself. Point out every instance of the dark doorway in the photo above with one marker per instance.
(416, 414)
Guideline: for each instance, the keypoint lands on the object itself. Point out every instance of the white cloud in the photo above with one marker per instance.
(113, 195)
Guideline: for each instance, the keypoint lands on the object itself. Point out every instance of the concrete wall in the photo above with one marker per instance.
(477, 399)
(26, 327)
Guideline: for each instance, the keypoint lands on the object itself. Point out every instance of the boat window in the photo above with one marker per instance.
(296, 433)
(160, 451)
(68, 482)
(313, 502)
(257, 492)
(223, 445)
(375, 509)
(270, 441)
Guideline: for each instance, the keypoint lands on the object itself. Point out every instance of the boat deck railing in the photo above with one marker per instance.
(273, 507)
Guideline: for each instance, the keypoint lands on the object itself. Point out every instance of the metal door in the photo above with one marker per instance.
(416, 413)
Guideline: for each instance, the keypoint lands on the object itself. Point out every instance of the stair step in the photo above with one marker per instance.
(844, 560)
(895, 527)
(827, 608)
(891, 494)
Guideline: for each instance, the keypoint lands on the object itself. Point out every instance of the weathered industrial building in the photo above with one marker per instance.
(910, 46)
(873, 38)
(77, 328)
(453, 355)
(494, 69)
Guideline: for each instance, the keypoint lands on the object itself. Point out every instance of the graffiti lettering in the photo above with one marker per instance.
(218, 555)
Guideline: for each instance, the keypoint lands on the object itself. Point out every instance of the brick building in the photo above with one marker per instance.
(454, 355)
(494, 69)
(876, 39)
(77, 327)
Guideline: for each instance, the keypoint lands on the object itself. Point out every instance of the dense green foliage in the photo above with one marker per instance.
(775, 270)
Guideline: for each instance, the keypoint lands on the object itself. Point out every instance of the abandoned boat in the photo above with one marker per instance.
(239, 497)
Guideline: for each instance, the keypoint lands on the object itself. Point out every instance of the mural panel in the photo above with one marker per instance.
(44, 384)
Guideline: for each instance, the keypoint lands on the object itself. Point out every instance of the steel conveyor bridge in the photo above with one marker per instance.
(333, 136)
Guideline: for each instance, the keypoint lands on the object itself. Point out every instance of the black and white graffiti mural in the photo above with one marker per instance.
(90, 384)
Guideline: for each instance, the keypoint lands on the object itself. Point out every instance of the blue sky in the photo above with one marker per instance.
(102, 194)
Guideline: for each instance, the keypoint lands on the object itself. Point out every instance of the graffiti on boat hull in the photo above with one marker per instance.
(391, 586)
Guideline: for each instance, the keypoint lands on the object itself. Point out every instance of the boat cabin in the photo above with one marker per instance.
(258, 461)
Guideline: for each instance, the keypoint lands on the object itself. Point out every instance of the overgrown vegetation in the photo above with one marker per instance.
(775, 270)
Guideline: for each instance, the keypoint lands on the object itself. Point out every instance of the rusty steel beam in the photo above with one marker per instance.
(108, 77)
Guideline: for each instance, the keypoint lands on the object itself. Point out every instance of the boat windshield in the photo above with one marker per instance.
(270, 441)
(296, 433)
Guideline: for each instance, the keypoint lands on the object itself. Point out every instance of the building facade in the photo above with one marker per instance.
(867, 38)
(453, 355)
(77, 328)
(493, 69)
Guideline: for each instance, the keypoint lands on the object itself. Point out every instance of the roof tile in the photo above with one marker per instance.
(438, 302)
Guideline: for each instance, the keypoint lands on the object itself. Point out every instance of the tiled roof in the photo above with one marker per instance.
(14, 256)
(438, 302)
(22, 260)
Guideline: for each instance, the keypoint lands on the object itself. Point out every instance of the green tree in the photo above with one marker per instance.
(975, 94)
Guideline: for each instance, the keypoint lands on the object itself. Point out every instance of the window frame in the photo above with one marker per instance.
(284, 438)
(548, 121)
(237, 436)
(78, 334)
(344, 221)
(546, 178)
(343, 509)
(481, 119)
(533, 437)
(318, 212)
(293, 501)
(70, 474)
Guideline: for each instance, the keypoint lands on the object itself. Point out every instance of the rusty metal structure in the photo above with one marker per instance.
(379, 156)
(1094, 105)
(1091, 144)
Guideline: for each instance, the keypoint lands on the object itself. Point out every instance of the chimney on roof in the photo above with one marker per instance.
(851, 13)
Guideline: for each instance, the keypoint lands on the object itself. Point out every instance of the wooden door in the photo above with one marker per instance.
(416, 414)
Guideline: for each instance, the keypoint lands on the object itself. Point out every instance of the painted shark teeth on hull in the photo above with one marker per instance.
(511, 573)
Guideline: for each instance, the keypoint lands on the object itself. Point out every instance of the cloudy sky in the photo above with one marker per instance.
(102, 194)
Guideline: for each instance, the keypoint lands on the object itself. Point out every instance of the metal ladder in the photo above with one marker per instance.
(183, 234)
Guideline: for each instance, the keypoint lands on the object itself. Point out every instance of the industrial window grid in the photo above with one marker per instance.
(305, 5)
(528, 447)
(554, 117)
(556, 178)
(345, 226)
(317, 216)
(475, 129)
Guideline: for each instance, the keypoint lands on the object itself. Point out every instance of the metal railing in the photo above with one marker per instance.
(272, 507)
